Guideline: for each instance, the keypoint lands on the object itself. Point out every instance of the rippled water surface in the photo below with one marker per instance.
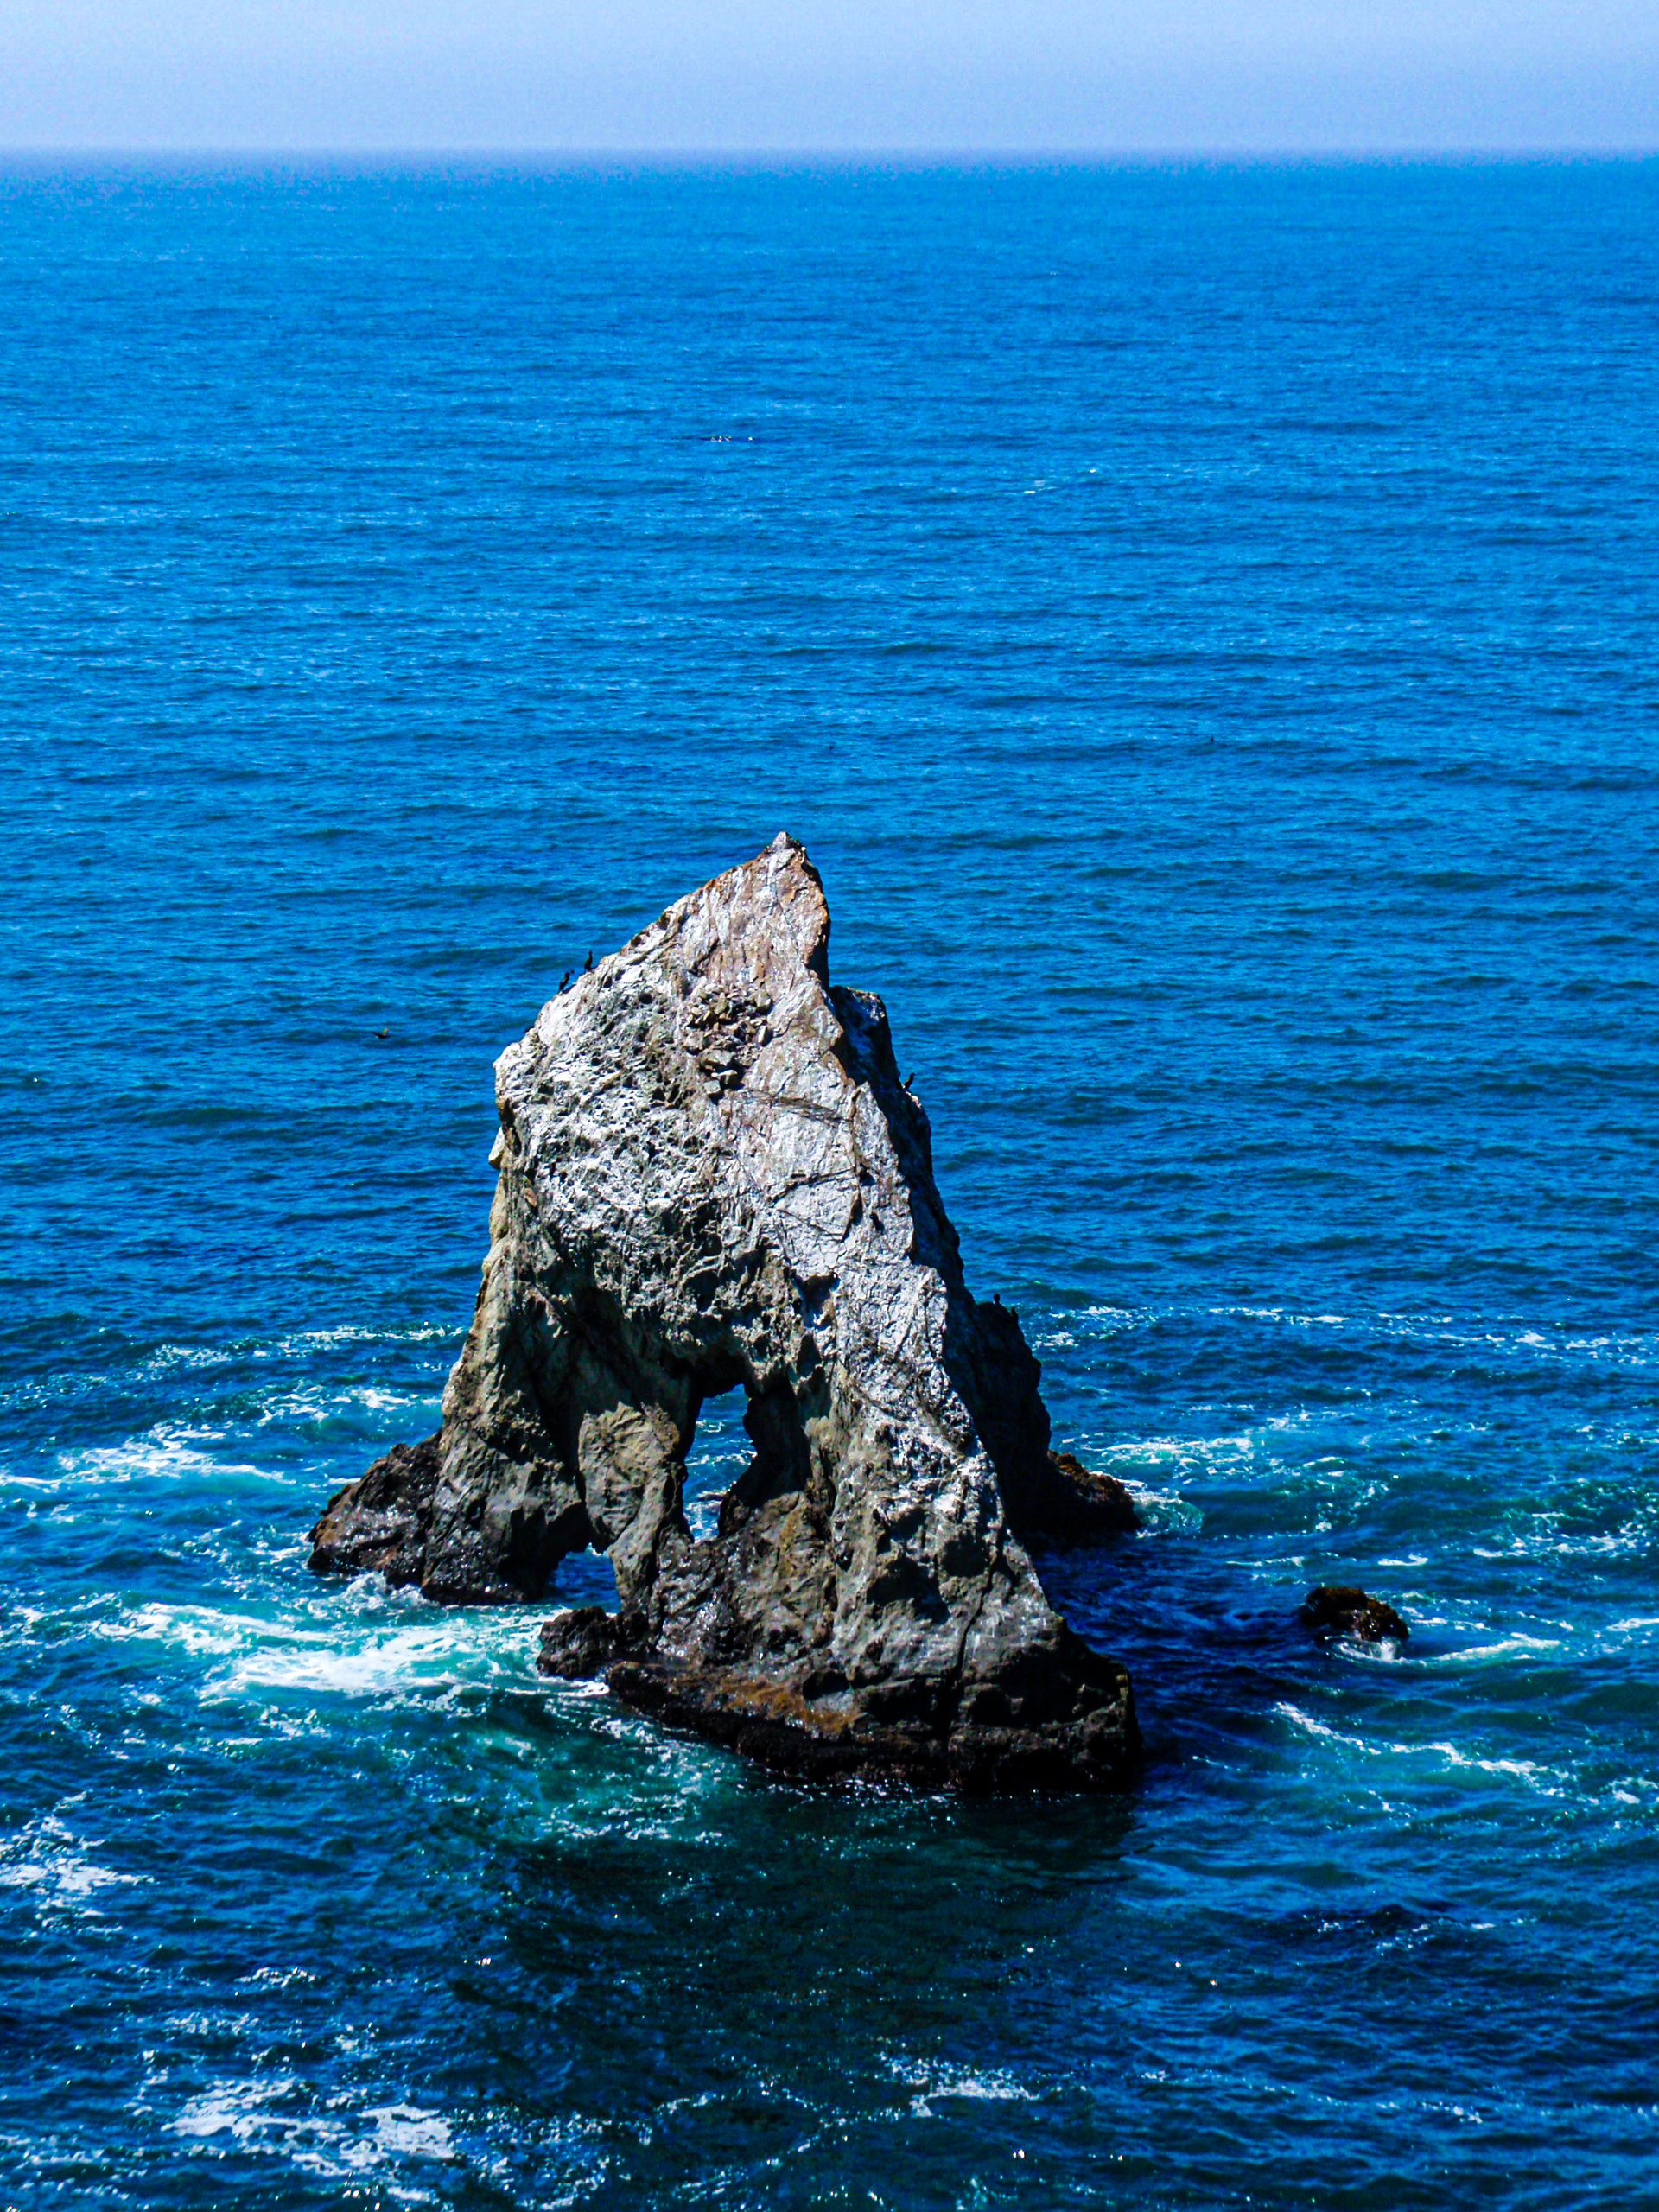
(1202, 623)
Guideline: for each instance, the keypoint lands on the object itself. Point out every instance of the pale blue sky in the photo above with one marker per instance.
(1125, 75)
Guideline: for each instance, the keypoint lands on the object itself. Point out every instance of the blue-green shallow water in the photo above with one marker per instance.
(1202, 624)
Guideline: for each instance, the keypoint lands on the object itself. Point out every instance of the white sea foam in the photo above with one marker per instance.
(441, 1657)
(181, 1453)
(1533, 1342)
(1504, 1649)
(202, 1631)
(1629, 1348)
(1280, 1314)
(297, 1343)
(1525, 1770)
(47, 1858)
(409, 2130)
(302, 1342)
(274, 2116)
(1547, 1781)
(1634, 1538)
(1160, 1452)
(167, 1359)
(1309, 1726)
(268, 1978)
(703, 1514)
(350, 1641)
(307, 1404)
(164, 1454)
(938, 2083)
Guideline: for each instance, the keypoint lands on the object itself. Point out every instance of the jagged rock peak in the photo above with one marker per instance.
(711, 1175)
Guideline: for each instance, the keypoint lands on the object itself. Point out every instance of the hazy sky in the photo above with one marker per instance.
(833, 74)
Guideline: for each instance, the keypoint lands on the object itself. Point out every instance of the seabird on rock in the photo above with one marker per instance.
(588, 965)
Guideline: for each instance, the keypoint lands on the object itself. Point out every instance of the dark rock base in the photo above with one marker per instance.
(834, 1739)
(1070, 1505)
(378, 1524)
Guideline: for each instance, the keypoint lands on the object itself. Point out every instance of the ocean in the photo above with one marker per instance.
(1201, 621)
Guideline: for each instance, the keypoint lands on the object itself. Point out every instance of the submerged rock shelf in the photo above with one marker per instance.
(711, 1174)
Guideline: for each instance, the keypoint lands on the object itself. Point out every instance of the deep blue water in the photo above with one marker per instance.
(1202, 623)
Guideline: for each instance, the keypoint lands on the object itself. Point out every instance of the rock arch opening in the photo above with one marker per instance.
(716, 1460)
(722, 1460)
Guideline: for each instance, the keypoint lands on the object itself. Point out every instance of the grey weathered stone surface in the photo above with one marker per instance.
(711, 1174)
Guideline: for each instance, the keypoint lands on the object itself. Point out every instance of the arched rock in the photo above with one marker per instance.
(710, 1174)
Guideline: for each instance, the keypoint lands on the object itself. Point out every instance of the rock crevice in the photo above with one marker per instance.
(710, 1174)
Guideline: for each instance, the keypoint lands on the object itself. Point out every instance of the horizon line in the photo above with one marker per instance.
(942, 154)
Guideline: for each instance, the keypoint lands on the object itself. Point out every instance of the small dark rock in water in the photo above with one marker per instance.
(710, 1176)
(1334, 1610)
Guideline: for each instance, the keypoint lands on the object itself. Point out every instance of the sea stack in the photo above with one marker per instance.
(711, 1175)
